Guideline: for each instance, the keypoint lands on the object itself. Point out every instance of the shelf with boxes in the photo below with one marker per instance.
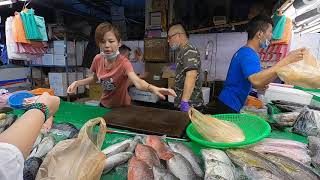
(56, 55)
(63, 64)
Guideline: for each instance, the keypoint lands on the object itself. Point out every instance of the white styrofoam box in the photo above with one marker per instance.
(48, 59)
(287, 94)
(205, 93)
(13, 73)
(50, 51)
(61, 78)
(139, 95)
(80, 48)
(58, 47)
(58, 82)
(60, 60)
(59, 89)
(37, 60)
(57, 78)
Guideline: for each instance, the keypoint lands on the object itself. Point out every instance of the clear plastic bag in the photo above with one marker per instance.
(305, 73)
(80, 158)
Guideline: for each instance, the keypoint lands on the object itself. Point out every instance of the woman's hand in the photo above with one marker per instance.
(73, 87)
(162, 92)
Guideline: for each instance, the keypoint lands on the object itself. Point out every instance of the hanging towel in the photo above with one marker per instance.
(279, 25)
(286, 34)
(12, 47)
(30, 25)
(42, 27)
(19, 34)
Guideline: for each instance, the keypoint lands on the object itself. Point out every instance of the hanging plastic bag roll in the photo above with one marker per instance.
(80, 158)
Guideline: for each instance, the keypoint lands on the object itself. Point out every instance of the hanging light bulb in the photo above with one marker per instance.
(6, 2)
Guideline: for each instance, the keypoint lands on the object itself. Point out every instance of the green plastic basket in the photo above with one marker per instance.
(254, 128)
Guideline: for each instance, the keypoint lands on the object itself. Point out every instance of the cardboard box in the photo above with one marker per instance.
(48, 59)
(169, 74)
(144, 96)
(95, 91)
(156, 50)
(171, 82)
(154, 74)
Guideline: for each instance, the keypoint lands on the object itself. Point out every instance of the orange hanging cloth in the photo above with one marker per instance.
(286, 34)
(19, 34)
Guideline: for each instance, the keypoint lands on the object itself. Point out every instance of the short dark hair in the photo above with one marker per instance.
(123, 48)
(102, 29)
(181, 24)
(258, 23)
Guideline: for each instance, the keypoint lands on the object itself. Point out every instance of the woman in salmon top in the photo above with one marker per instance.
(114, 71)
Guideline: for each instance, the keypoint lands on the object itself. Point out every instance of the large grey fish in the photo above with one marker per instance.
(64, 129)
(180, 167)
(255, 165)
(314, 147)
(7, 122)
(218, 165)
(117, 148)
(308, 123)
(162, 174)
(116, 160)
(294, 169)
(31, 167)
(44, 147)
(189, 155)
(286, 119)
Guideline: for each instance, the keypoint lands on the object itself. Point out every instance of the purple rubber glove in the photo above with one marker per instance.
(173, 67)
(184, 106)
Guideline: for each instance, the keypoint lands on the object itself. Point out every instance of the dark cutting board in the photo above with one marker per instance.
(148, 120)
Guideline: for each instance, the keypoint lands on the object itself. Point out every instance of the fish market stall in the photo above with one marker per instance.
(195, 161)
